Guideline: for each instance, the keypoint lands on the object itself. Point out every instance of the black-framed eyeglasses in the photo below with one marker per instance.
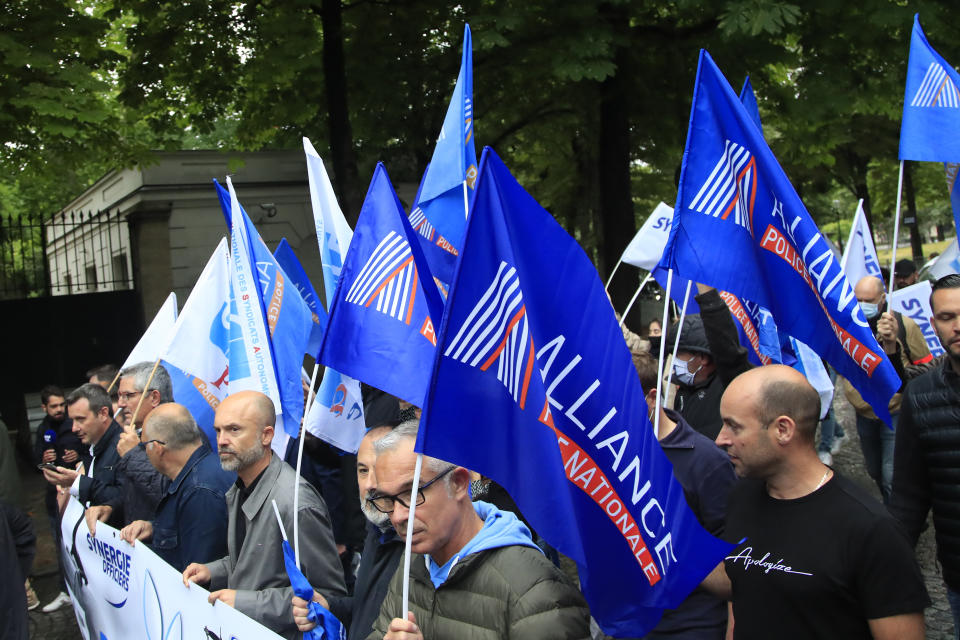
(143, 445)
(386, 504)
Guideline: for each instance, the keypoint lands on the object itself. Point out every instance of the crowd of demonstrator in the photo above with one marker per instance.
(816, 557)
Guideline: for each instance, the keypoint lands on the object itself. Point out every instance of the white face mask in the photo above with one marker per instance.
(870, 309)
(682, 373)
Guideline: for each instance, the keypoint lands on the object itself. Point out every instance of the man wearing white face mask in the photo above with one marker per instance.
(904, 344)
(709, 356)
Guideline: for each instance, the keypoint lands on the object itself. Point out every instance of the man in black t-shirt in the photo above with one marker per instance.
(819, 557)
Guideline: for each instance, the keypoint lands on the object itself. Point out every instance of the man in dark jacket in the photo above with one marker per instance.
(89, 408)
(143, 485)
(925, 471)
(190, 523)
(381, 554)
(709, 356)
(56, 444)
(18, 545)
(476, 572)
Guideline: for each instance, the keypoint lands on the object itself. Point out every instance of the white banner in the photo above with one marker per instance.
(914, 302)
(119, 592)
(647, 246)
(811, 366)
(154, 340)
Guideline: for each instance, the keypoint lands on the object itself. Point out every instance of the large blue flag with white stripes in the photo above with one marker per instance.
(740, 226)
(541, 395)
(381, 328)
(931, 104)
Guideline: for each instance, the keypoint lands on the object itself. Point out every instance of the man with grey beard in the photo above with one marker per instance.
(382, 552)
(252, 577)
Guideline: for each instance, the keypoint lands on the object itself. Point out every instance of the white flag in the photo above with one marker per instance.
(811, 366)
(200, 339)
(947, 262)
(860, 256)
(336, 415)
(914, 302)
(647, 246)
(154, 340)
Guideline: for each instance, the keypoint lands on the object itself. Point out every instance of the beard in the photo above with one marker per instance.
(241, 459)
(380, 520)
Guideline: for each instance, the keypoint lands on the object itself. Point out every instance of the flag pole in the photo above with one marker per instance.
(610, 279)
(133, 419)
(466, 214)
(114, 381)
(896, 232)
(676, 341)
(666, 314)
(409, 541)
(311, 396)
(646, 279)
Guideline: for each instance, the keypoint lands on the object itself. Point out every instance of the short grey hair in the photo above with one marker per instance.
(408, 431)
(140, 373)
(177, 431)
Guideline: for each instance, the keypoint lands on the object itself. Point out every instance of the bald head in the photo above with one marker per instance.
(172, 424)
(868, 288)
(779, 390)
(254, 405)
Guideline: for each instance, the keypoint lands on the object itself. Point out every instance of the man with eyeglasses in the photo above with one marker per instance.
(190, 520)
(252, 576)
(476, 572)
(144, 486)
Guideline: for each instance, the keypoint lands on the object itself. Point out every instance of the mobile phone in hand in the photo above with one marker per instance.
(47, 465)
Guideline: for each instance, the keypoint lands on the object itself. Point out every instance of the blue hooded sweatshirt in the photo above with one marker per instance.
(500, 529)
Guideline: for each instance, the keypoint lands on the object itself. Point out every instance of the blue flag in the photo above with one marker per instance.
(740, 227)
(290, 321)
(328, 627)
(380, 330)
(931, 104)
(534, 387)
(290, 265)
(749, 100)
(191, 392)
(440, 210)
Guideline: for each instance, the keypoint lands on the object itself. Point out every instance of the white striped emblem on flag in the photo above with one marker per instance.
(731, 187)
(937, 89)
(420, 224)
(497, 330)
(389, 278)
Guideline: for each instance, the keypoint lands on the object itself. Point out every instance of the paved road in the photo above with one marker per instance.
(62, 625)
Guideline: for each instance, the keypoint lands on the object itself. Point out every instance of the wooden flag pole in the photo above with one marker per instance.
(143, 393)
(676, 341)
(646, 279)
(311, 397)
(896, 232)
(666, 315)
(409, 541)
(114, 381)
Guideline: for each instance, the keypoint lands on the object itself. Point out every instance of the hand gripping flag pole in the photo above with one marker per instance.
(636, 295)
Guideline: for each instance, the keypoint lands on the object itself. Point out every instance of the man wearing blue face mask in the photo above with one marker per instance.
(709, 357)
(904, 344)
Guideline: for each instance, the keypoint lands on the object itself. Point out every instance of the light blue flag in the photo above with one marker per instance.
(452, 173)
(931, 104)
(534, 387)
(288, 319)
(380, 329)
(288, 261)
(740, 226)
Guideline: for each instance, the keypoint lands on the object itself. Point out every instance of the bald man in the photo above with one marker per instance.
(191, 519)
(818, 557)
(903, 342)
(252, 576)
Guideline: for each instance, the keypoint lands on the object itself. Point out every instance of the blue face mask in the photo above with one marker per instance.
(870, 309)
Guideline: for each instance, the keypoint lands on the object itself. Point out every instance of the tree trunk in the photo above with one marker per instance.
(345, 173)
(617, 222)
(911, 219)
